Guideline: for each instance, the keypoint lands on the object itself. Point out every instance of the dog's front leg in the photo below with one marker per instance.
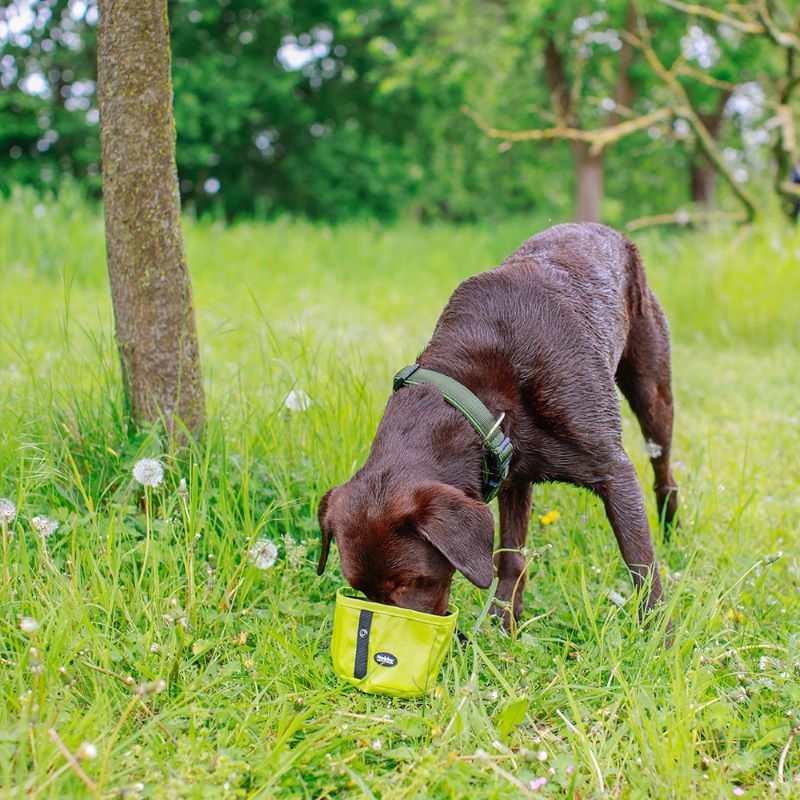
(624, 505)
(515, 513)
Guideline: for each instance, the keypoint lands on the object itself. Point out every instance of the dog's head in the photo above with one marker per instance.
(402, 547)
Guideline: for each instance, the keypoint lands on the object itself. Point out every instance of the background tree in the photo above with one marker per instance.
(588, 66)
(334, 109)
(150, 287)
(763, 51)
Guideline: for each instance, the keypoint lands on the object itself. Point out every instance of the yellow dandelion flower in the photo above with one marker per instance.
(550, 517)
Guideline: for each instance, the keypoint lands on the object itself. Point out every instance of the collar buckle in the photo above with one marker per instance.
(497, 447)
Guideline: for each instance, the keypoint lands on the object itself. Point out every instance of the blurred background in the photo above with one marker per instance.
(339, 109)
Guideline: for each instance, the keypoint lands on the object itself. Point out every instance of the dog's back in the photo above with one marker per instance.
(571, 285)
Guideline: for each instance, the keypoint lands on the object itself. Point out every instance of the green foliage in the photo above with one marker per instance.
(335, 110)
(134, 583)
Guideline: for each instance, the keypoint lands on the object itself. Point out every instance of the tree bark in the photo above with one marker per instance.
(702, 172)
(150, 286)
(589, 162)
(701, 182)
(588, 183)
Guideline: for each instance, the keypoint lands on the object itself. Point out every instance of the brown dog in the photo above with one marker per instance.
(542, 338)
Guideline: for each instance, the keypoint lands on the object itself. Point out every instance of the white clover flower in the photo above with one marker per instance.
(8, 511)
(28, 625)
(263, 553)
(297, 400)
(87, 751)
(44, 526)
(148, 472)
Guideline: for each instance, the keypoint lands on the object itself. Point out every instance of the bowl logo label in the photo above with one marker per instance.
(385, 659)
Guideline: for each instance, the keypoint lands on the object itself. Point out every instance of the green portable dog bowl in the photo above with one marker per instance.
(386, 649)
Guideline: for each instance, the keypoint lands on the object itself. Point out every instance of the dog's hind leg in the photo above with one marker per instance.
(624, 504)
(644, 377)
(514, 501)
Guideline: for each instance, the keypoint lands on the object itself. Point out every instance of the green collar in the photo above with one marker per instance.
(497, 446)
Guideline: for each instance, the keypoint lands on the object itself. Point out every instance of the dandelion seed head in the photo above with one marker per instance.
(297, 400)
(86, 752)
(653, 449)
(28, 625)
(8, 511)
(263, 554)
(44, 526)
(183, 491)
(148, 472)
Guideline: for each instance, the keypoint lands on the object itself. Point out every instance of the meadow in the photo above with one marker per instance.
(144, 654)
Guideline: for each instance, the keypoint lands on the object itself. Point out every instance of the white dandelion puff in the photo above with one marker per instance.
(653, 449)
(148, 472)
(263, 553)
(297, 400)
(87, 751)
(8, 511)
(44, 526)
(28, 625)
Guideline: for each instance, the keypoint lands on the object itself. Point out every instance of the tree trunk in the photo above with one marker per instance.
(702, 176)
(588, 183)
(702, 172)
(150, 286)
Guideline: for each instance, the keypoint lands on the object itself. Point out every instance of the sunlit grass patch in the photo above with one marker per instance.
(302, 328)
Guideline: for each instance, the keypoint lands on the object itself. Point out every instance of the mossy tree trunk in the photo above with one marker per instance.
(150, 285)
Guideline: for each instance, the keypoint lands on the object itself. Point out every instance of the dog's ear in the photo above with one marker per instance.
(325, 529)
(460, 528)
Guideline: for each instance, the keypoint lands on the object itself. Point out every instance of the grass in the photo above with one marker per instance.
(138, 588)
